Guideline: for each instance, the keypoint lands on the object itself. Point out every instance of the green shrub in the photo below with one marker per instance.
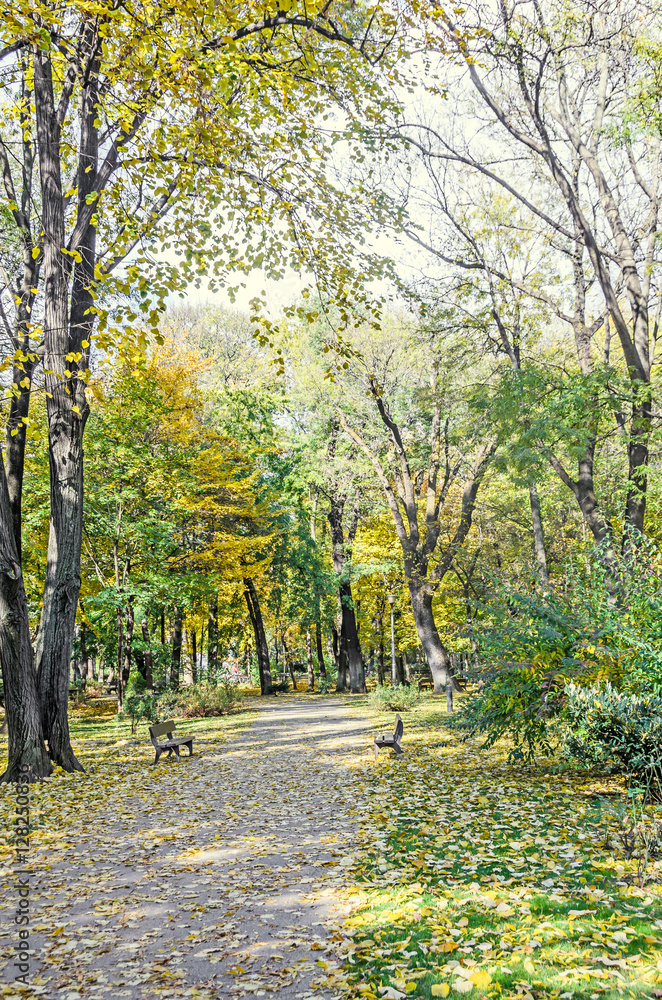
(203, 700)
(531, 645)
(521, 701)
(397, 699)
(139, 706)
(616, 731)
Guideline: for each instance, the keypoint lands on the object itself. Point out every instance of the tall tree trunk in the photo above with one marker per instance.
(538, 537)
(640, 429)
(194, 655)
(66, 405)
(349, 642)
(261, 645)
(321, 666)
(212, 641)
(437, 654)
(341, 659)
(187, 663)
(176, 658)
(288, 663)
(349, 639)
(147, 654)
(309, 661)
(28, 757)
(380, 661)
(119, 659)
(127, 648)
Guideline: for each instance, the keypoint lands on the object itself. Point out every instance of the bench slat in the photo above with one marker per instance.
(162, 728)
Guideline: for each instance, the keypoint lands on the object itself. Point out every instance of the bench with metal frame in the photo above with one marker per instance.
(171, 744)
(391, 742)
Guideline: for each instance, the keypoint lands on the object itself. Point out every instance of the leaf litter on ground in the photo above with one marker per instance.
(219, 876)
(479, 877)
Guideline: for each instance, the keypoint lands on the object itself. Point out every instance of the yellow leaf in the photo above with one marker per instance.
(481, 979)
(410, 987)
(35, 252)
(529, 966)
(440, 990)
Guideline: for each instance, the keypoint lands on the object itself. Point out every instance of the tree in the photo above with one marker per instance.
(558, 91)
(430, 532)
(89, 97)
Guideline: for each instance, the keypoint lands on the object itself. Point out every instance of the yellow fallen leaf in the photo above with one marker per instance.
(440, 990)
(481, 979)
(463, 986)
(529, 966)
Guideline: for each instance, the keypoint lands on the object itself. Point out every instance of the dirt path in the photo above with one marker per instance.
(219, 877)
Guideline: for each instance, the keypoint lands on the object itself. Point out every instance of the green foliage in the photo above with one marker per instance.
(605, 628)
(521, 701)
(324, 685)
(199, 701)
(617, 731)
(397, 699)
(138, 703)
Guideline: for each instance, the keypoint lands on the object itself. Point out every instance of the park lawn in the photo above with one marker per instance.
(484, 878)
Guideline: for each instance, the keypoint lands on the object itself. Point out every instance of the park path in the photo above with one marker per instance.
(220, 877)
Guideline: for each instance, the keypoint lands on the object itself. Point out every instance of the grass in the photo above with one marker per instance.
(479, 877)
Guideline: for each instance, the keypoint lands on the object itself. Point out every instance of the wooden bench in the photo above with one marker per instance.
(170, 744)
(425, 684)
(391, 741)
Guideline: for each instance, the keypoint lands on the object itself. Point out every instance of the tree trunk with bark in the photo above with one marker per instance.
(187, 664)
(349, 638)
(309, 661)
(127, 649)
(261, 645)
(538, 536)
(425, 565)
(147, 654)
(65, 328)
(176, 658)
(437, 655)
(212, 641)
(27, 754)
(321, 666)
